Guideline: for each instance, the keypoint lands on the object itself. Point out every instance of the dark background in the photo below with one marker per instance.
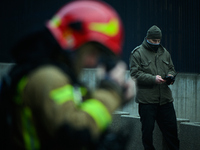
(179, 21)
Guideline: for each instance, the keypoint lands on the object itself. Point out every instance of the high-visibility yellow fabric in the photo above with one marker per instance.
(56, 21)
(110, 29)
(67, 93)
(98, 112)
(20, 87)
(29, 132)
(63, 94)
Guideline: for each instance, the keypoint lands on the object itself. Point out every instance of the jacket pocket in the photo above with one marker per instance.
(146, 66)
(166, 66)
(165, 62)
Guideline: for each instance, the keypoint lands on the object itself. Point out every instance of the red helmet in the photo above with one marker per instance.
(83, 21)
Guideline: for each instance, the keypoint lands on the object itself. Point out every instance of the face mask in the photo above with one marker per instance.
(153, 46)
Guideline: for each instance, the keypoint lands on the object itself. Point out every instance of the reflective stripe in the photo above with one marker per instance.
(83, 91)
(55, 22)
(62, 94)
(21, 85)
(67, 93)
(29, 132)
(110, 29)
(98, 112)
(28, 129)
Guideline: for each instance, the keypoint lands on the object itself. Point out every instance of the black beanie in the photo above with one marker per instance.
(154, 33)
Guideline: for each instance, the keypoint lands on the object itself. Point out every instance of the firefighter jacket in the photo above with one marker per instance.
(144, 65)
(47, 99)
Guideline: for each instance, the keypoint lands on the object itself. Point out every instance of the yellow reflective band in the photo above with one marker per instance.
(22, 84)
(98, 112)
(30, 137)
(62, 94)
(20, 87)
(110, 29)
(83, 91)
(29, 132)
(55, 21)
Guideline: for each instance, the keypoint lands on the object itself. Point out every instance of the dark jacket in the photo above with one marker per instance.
(145, 64)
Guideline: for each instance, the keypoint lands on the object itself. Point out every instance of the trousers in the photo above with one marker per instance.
(165, 117)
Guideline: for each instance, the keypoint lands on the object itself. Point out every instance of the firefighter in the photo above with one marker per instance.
(49, 107)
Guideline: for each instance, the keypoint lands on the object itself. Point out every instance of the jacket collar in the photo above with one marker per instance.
(146, 46)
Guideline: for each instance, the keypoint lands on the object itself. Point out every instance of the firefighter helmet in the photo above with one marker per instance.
(83, 21)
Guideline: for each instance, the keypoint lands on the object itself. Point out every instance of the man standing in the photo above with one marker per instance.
(150, 63)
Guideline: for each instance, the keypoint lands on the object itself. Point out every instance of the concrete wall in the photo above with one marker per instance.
(188, 132)
(189, 136)
(135, 142)
(185, 93)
